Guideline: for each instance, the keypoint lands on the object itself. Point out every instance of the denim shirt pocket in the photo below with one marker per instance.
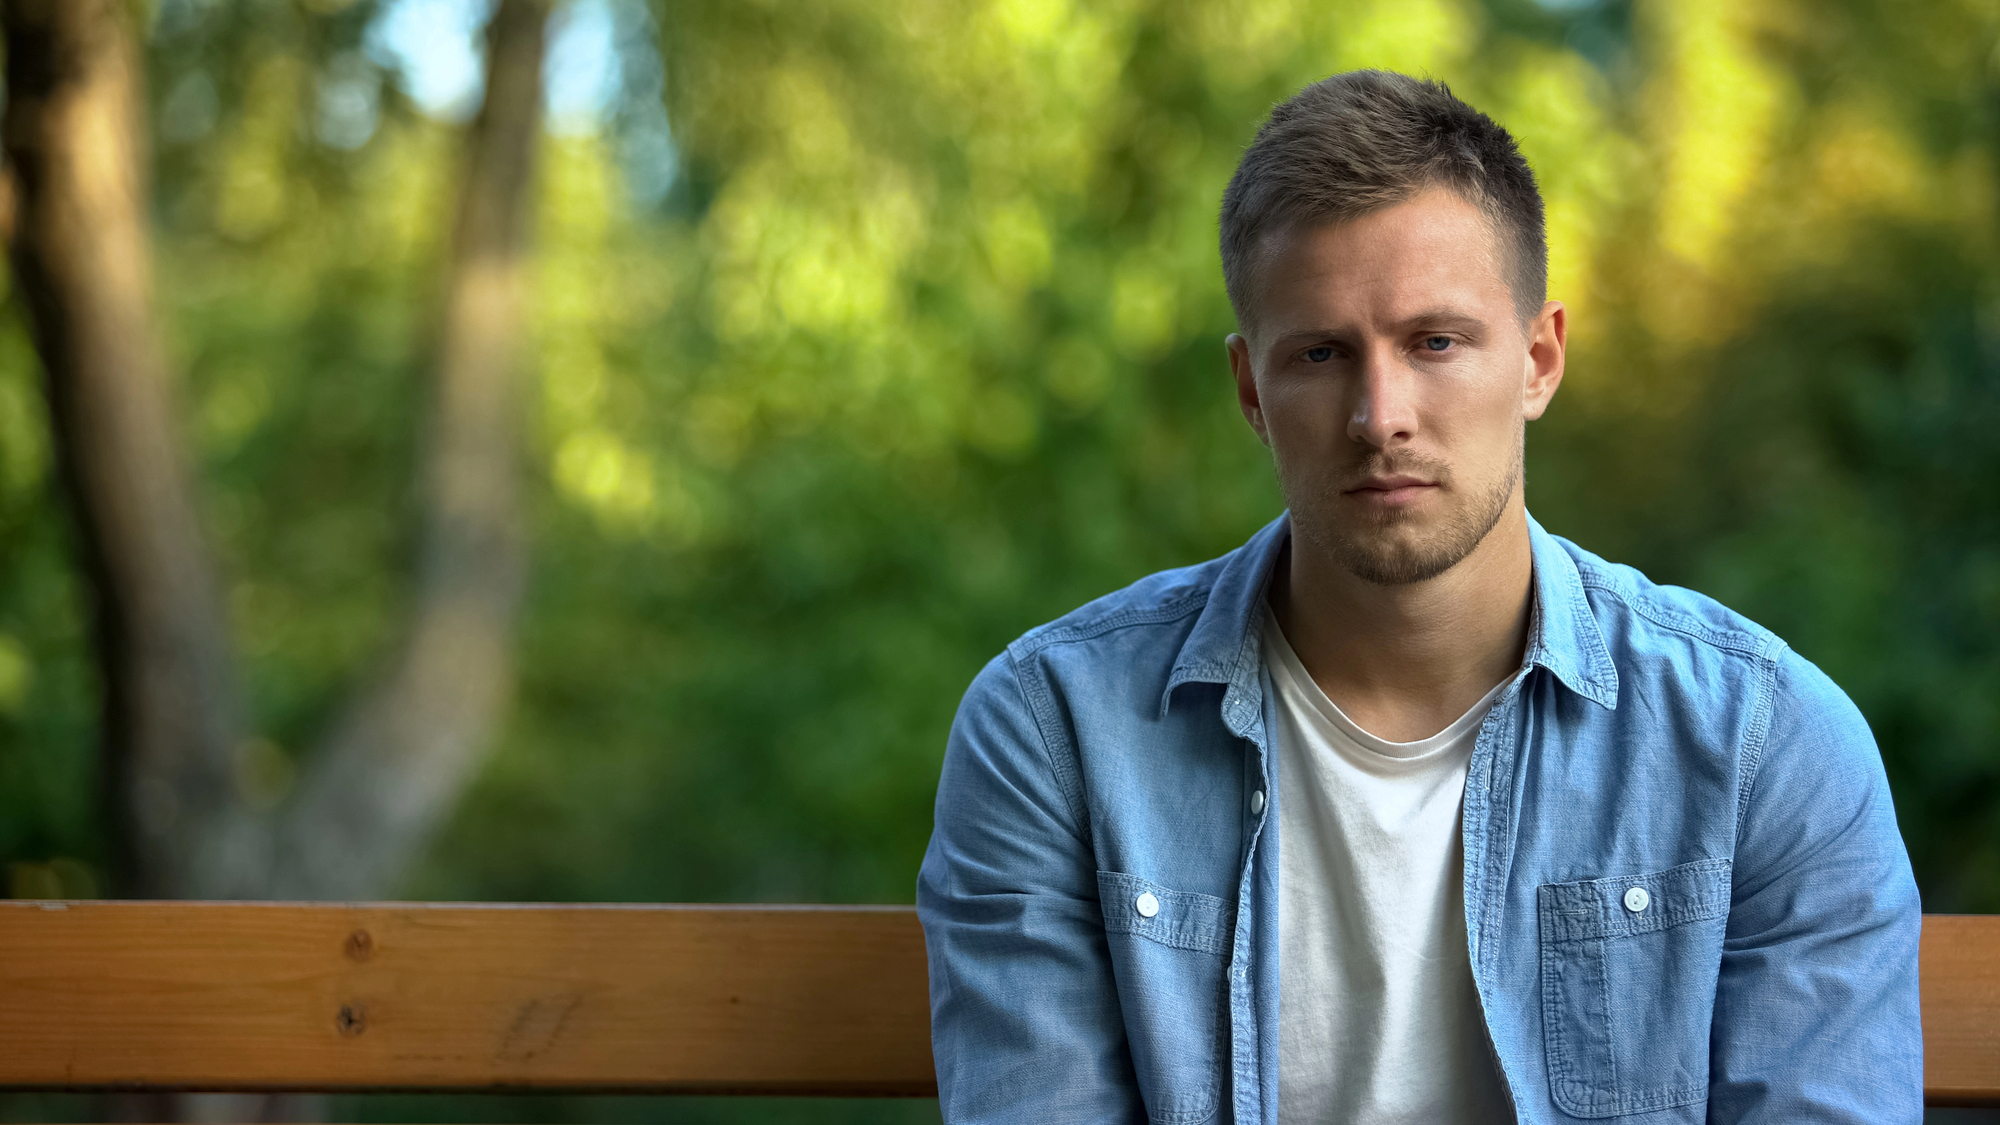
(1169, 954)
(1629, 968)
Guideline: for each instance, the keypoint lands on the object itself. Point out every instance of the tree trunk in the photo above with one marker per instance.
(76, 236)
(74, 209)
(392, 767)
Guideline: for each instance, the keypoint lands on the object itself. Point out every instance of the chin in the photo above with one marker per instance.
(1401, 545)
(1398, 546)
(1398, 556)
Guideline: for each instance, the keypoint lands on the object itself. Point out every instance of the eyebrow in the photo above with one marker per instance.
(1447, 318)
(1444, 318)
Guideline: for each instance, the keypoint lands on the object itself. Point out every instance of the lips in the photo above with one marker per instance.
(1392, 490)
(1393, 484)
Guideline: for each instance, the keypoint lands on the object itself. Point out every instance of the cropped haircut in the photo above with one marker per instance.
(1367, 139)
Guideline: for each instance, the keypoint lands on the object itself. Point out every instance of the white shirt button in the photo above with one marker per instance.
(1256, 802)
(1636, 899)
(1146, 905)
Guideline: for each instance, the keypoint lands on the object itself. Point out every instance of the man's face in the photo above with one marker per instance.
(1389, 372)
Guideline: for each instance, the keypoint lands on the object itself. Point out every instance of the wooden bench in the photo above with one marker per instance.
(594, 999)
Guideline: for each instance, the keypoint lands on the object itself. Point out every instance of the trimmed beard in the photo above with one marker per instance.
(1380, 561)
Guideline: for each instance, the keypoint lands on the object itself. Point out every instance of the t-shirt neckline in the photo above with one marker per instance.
(1302, 684)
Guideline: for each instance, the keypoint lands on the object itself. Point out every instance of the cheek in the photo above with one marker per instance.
(1303, 420)
(1303, 405)
(1483, 430)
(1472, 415)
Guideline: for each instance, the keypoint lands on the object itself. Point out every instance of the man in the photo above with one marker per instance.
(1407, 810)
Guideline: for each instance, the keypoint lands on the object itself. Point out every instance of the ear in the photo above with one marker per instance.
(1548, 337)
(1246, 385)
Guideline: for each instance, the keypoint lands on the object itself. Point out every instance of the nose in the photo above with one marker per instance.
(1385, 411)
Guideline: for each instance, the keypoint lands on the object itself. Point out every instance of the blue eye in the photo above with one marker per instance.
(1437, 343)
(1320, 354)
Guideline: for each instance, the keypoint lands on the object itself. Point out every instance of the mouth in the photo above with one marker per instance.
(1393, 490)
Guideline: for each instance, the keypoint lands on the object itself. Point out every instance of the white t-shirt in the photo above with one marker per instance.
(1378, 1020)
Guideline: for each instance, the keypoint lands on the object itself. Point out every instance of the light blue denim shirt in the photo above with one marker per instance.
(1652, 739)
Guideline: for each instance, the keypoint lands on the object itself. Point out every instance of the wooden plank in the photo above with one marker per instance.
(1961, 986)
(254, 996)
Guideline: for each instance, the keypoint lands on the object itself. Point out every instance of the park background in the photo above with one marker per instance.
(860, 336)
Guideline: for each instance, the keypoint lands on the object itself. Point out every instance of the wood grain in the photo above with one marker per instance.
(1961, 985)
(225, 996)
(262, 996)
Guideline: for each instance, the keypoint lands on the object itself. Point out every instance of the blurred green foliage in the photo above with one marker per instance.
(910, 338)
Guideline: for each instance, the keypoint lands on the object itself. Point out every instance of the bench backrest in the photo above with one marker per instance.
(628, 999)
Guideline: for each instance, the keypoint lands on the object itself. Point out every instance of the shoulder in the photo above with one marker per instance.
(1115, 657)
(1633, 609)
(1110, 659)
(1164, 605)
(1655, 630)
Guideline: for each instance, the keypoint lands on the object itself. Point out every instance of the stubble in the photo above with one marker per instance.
(1376, 548)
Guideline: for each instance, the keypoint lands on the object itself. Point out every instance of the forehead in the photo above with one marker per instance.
(1433, 250)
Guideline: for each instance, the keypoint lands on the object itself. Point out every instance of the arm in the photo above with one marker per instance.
(1816, 1015)
(1025, 1022)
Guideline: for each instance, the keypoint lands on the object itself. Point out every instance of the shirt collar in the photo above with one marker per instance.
(1223, 647)
(1562, 634)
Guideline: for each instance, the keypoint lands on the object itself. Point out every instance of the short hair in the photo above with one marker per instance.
(1367, 139)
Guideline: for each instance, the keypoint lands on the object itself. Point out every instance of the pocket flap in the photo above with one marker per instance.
(1181, 919)
(1596, 908)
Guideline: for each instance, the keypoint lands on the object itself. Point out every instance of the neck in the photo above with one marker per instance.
(1405, 661)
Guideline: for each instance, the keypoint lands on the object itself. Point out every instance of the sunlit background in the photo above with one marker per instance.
(868, 334)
